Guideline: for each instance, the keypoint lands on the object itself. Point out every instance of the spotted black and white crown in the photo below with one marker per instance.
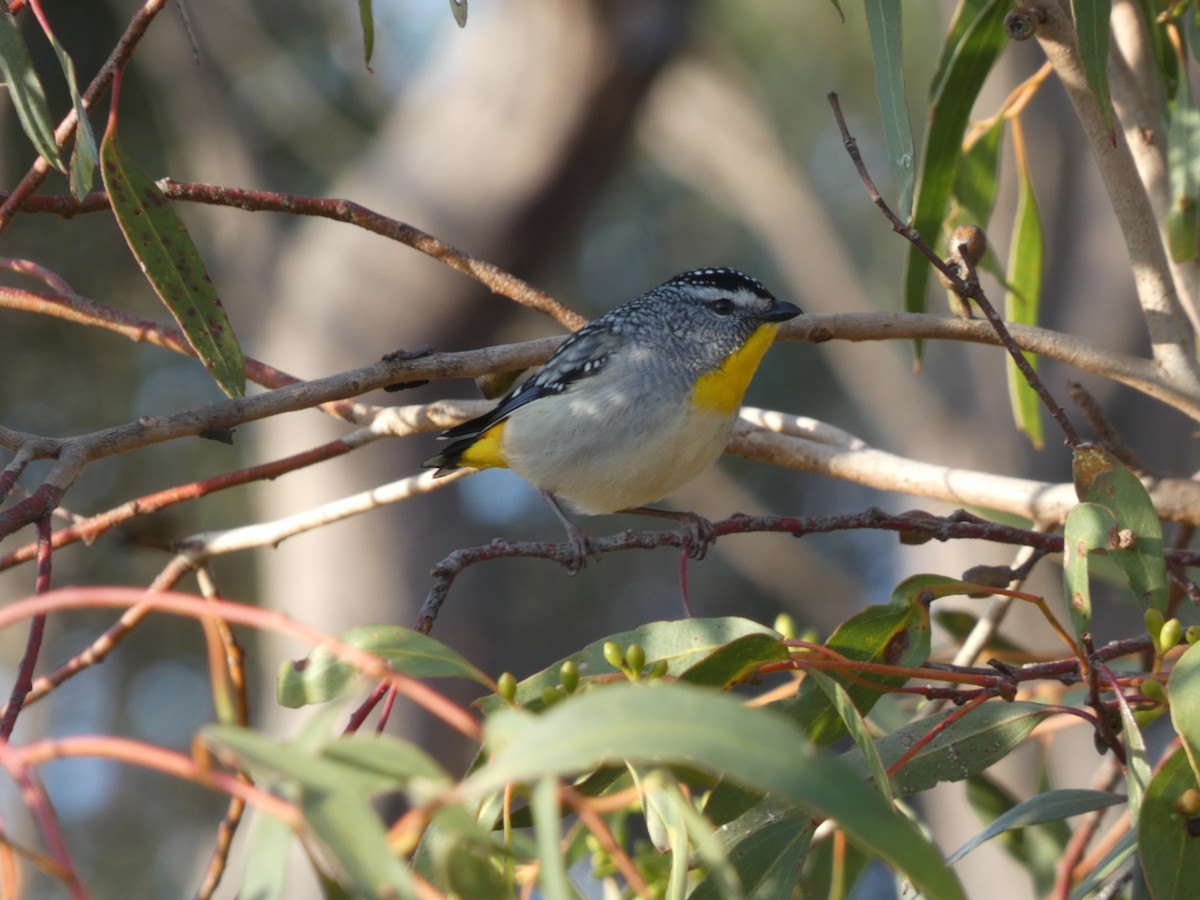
(723, 279)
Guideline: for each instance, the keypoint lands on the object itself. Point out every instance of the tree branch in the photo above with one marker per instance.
(1171, 335)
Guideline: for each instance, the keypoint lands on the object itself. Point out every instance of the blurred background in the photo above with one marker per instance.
(592, 147)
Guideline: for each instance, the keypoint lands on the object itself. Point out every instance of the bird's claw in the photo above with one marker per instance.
(580, 548)
(698, 535)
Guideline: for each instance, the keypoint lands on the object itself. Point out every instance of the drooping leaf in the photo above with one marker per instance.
(458, 8)
(265, 873)
(347, 824)
(966, 13)
(976, 182)
(677, 723)
(1050, 806)
(1183, 164)
(366, 17)
(552, 874)
(334, 798)
(971, 48)
(164, 250)
(1183, 687)
(667, 827)
(708, 846)
(1101, 478)
(1090, 528)
(1164, 54)
(885, 28)
(321, 676)
(1167, 849)
(1038, 848)
(961, 749)
(857, 726)
(85, 158)
(1023, 297)
(25, 89)
(1137, 763)
(1092, 31)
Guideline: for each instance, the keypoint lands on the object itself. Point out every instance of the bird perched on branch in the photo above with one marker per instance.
(633, 405)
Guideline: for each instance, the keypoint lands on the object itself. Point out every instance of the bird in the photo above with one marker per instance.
(633, 405)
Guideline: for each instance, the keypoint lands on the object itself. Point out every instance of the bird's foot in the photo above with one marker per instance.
(581, 548)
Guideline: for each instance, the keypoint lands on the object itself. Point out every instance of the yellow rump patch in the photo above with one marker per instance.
(486, 452)
(722, 389)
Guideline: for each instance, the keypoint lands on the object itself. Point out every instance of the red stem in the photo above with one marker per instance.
(37, 630)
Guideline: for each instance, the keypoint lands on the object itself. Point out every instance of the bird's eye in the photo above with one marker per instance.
(722, 306)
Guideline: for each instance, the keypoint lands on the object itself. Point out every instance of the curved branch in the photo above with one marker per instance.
(780, 440)
(1171, 335)
(488, 274)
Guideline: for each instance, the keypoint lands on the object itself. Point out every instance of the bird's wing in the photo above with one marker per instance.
(581, 356)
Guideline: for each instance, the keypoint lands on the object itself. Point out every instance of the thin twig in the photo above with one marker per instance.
(349, 212)
(37, 802)
(33, 644)
(965, 287)
(957, 526)
(89, 529)
(232, 702)
(368, 664)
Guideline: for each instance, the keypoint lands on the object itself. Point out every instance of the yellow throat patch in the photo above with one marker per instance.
(722, 389)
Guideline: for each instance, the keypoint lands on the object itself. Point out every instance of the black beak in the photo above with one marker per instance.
(781, 312)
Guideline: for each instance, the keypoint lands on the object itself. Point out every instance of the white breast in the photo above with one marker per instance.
(612, 453)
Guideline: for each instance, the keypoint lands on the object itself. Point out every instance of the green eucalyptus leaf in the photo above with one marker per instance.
(1101, 478)
(885, 28)
(1023, 299)
(767, 851)
(677, 723)
(1038, 848)
(366, 18)
(547, 819)
(1183, 165)
(1092, 31)
(1050, 806)
(1167, 848)
(321, 676)
(347, 824)
(164, 250)
(1183, 688)
(965, 747)
(25, 89)
(857, 726)
(736, 661)
(977, 179)
(85, 157)
(1090, 528)
(264, 876)
(970, 49)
